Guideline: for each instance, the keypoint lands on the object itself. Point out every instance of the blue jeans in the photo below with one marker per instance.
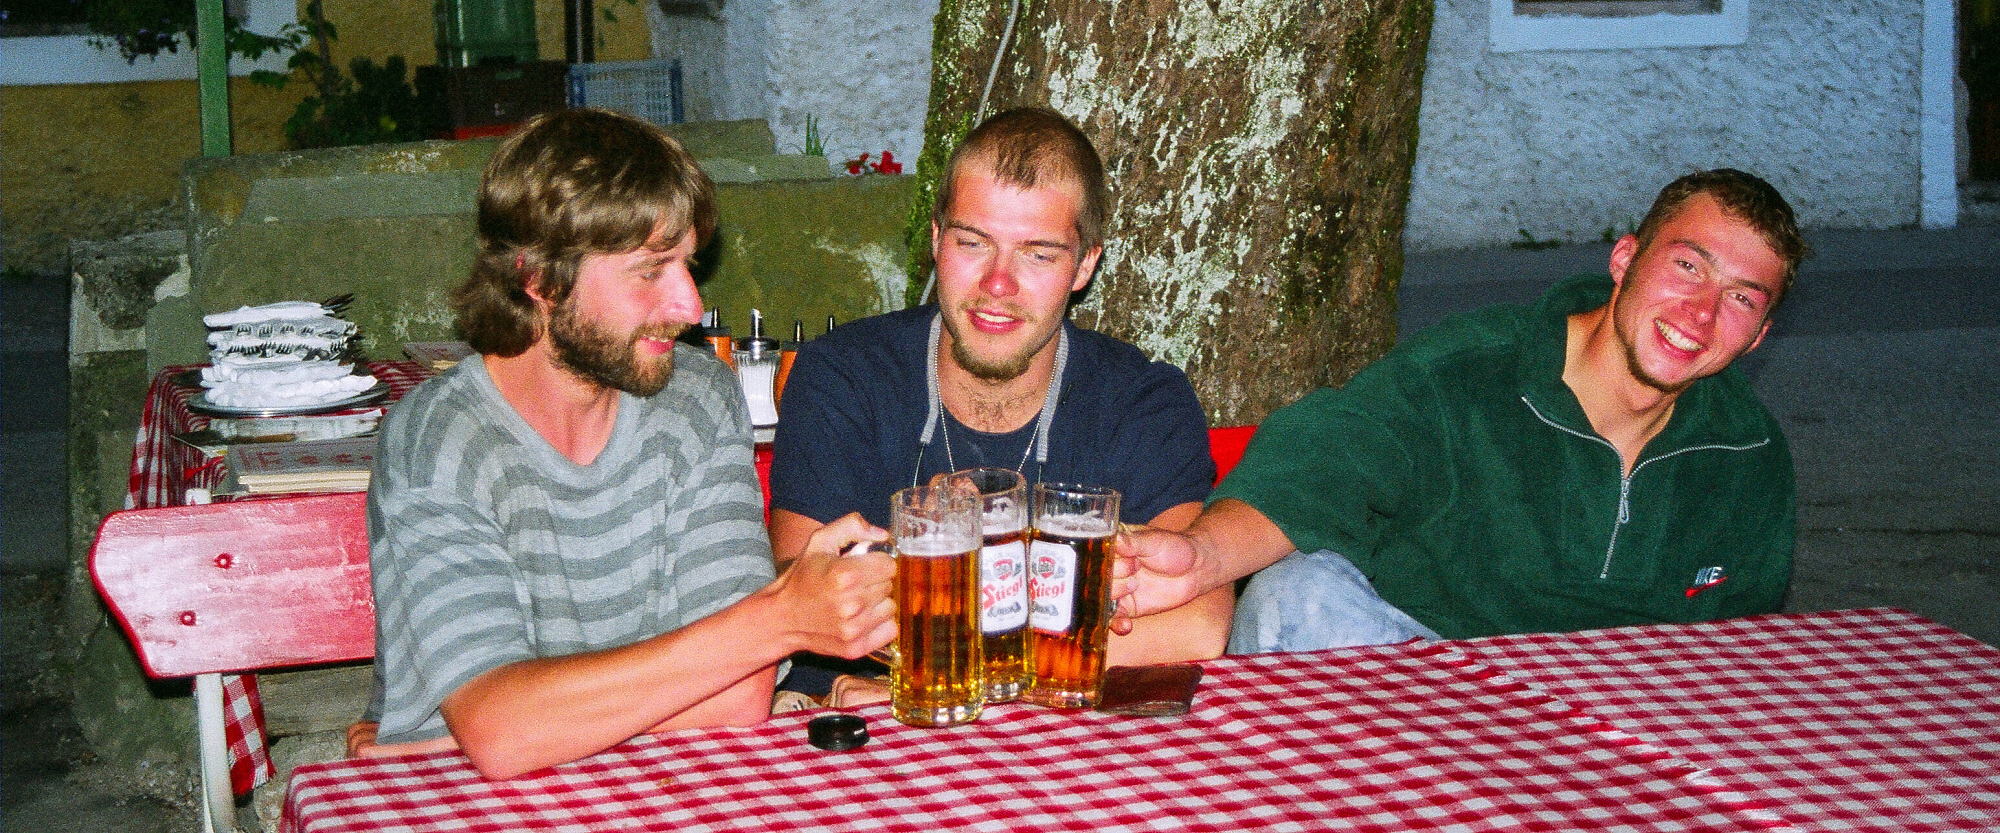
(1312, 601)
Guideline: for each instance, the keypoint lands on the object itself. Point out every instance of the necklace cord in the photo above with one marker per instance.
(934, 411)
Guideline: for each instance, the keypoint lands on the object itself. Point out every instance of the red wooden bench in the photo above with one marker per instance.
(256, 585)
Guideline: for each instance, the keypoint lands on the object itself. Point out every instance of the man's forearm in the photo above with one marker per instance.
(1232, 540)
(541, 712)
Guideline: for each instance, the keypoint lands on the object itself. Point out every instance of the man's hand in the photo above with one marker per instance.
(850, 691)
(1151, 570)
(361, 743)
(1157, 569)
(838, 604)
(361, 738)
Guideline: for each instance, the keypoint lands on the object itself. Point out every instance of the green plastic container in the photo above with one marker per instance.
(471, 32)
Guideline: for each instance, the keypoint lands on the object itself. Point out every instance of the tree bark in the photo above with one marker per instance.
(1259, 153)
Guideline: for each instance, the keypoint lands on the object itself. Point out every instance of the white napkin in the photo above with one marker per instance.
(289, 395)
(272, 370)
(267, 312)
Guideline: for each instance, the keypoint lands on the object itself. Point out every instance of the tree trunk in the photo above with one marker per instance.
(1259, 153)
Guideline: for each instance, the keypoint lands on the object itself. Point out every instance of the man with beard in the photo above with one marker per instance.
(566, 530)
(994, 374)
(1588, 462)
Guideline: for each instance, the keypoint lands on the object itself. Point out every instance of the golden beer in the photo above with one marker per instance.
(936, 680)
(1069, 589)
(1003, 579)
(1003, 613)
(936, 677)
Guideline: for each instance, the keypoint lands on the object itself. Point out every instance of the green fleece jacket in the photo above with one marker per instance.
(1461, 476)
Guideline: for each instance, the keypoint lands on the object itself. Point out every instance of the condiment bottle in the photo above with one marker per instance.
(718, 337)
(756, 370)
(787, 354)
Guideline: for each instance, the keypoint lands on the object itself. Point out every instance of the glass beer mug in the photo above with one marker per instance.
(1003, 579)
(936, 678)
(1069, 589)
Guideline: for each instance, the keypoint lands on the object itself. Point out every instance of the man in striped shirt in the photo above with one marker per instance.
(566, 530)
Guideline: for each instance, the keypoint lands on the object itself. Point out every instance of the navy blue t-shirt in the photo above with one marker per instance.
(854, 407)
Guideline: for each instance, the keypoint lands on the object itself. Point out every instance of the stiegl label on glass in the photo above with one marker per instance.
(1003, 586)
(1051, 586)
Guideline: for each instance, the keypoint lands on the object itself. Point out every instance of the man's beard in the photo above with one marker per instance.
(1004, 369)
(1628, 342)
(599, 356)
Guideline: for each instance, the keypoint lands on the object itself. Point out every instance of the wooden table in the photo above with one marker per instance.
(1855, 720)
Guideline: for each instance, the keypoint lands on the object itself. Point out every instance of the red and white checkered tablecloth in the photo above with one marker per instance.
(1871, 720)
(163, 470)
(1369, 739)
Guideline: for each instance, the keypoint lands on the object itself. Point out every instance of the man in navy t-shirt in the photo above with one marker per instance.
(994, 374)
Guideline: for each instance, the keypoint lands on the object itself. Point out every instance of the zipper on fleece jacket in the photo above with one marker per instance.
(1624, 515)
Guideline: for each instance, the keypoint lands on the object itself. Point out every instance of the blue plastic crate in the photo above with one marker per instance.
(649, 89)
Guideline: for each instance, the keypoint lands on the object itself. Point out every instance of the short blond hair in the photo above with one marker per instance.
(1029, 146)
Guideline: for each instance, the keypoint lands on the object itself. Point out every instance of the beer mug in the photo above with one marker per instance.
(935, 678)
(1069, 590)
(1003, 579)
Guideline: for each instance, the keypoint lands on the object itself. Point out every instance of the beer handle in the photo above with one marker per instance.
(887, 653)
(866, 547)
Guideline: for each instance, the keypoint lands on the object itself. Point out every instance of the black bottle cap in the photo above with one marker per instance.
(837, 732)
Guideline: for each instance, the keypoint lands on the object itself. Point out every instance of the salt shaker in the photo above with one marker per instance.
(757, 370)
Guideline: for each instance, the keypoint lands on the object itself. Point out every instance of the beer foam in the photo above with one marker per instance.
(1075, 526)
(931, 546)
(1001, 506)
(995, 523)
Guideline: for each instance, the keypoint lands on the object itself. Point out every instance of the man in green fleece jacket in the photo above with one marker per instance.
(1587, 462)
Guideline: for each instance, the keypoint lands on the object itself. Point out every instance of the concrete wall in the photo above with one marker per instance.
(93, 161)
(393, 224)
(1822, 101)
(1821, 98)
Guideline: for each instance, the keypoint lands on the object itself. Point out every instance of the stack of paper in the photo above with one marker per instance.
(314, 466)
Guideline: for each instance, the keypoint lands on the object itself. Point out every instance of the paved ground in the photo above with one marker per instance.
(48, 778)
(1884, 369)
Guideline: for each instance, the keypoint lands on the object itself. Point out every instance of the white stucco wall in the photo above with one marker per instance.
(1823, 101)
(863, 70)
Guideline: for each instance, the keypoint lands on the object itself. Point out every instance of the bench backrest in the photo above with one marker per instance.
(239, 586)
(1226, 445)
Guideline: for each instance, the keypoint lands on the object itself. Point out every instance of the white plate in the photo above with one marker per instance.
(199, 404)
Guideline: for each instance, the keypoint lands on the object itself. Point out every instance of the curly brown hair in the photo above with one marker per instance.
(565, 185)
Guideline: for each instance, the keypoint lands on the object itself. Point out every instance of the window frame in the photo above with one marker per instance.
(1510, 32)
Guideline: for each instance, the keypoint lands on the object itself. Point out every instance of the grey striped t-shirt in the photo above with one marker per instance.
(490, 547)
